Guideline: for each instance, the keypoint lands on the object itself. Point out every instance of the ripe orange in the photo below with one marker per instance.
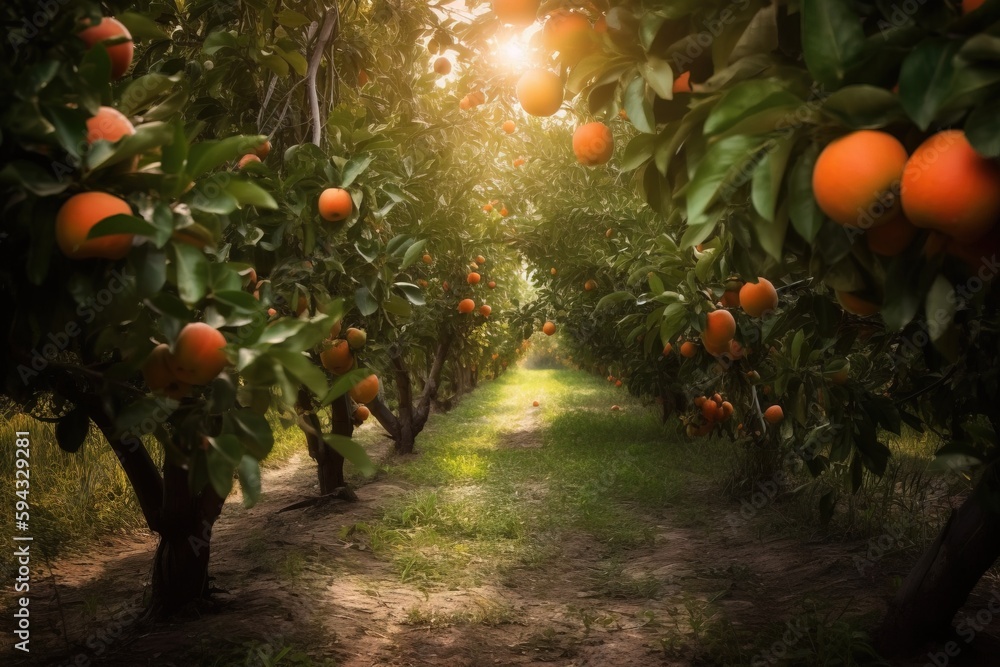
(971, 5)
(271, 312)
(120, 54)
(356, 338)
(758, 299)
(485, 310)
(492, 284)
(445, 286)
(540, 92)
(335, 330)
(337, 358)
(682, 84)
(774, 414)
(466, 306)
(709, 410)
(590, 285)
(335, 204)
(856, 178)
(667, 349)
(618, 383)
(569, 33)
(720, 328)
(727, 409)
(361, 415)
(608, 234)
(593, 144)
(473, 278)
(548, 328)
(615, 408)
(158, 376)
(553, 271)
(601, 24)
(487, 207)
(263, 150)
(534, 404)
(247, 159)
(688, 349)
(852, 303)
(891, 238)
(509, 127)
(731, 298)
(362, 78)
(465, 103)
(199, 353)
(78, 216)
(477, 97)
(427, 259)
(503, 212)
(950, 188)
(520, 162)
(480, 260)
(365, 391)
(108, 124)
(516, 12)
(442, 66)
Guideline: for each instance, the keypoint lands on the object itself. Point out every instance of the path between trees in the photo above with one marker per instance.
(408, 576)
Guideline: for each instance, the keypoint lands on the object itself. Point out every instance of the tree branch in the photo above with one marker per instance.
(326, 34)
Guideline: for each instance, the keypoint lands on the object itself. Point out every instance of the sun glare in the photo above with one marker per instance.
(512, 52)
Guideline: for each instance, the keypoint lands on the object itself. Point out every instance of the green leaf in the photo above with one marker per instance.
(122, 224)
(940, 307)
(398, 306)
(343, 384)
(222, 457)
(746, 99)
(72, 430)
(248, 473)
(982, 128)
(354, 168)
(864, 107)
(659, 76)
(292, 19)
(807, 218)
(191, 272)
(412, 293)
(351, 451)
(675, 319)
(249, 193)
(771, 234)
(638, 107)
(413, 253)
(769, 175)
(302, 369)
(723, 159)
(613, 299)
(832, 39)
(32, 178)
(254, 432)
(926, 78)
(365, 301)
(140, 26)
(144, 90)
(147, 136)
(208, 155)
(638, 151)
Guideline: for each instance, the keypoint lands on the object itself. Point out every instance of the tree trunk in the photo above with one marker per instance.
(180, 567)
(329, 462)
(941, 581)
(406, 436)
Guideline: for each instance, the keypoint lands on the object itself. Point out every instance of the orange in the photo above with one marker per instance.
(731, 298)
(516, 12)
(891, 238)
(667, 349)
(485, 310)
(337, 358)
(365, 391)
(520, 162)
(534, 404)
(727, 409)
(601, 24)
(856, 305)
(509, 127)
(427, 259)
(356, 338)
(465, 103)
(473, 278)
(199, 353)
(720, 328)
(362, 78)
(487, 207)
(442, 66)
(78, 216)
(158, 376)
(590, 285)
(688, 349)
(736, 351)
(758, 299)
(593, 144)
(682, 84)
(569, 33)
(120, 54)
(971, 5)
(608, 234)
(492, 284)
(548, 328)
(856, 178)
(480, 260)
(361, 415)
(271, 312)
(466, 306)
(950, 188)
(108, 124)
(503, 212)
(335, 204)
(553, 271)
(263, 150)
(774, 414)
(247, 159)
(540, 92)
(477, 97)
(335, 330)
(445, 286)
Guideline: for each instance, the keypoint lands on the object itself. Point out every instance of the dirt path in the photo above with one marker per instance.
(304, 582)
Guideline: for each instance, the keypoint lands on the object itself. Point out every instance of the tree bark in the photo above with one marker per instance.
(180, 566)
(329, 462)
(941, 581)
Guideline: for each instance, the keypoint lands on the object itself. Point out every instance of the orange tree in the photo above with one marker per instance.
(126, 311)
(845, 153)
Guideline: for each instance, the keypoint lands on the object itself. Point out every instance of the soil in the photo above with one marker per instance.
(299, 578)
